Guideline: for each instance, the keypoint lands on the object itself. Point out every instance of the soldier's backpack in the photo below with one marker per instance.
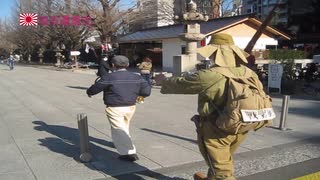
(247, 107)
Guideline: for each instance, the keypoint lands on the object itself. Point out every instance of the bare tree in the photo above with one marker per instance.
(5, 45)
(71, 36)
(221, 8)
(108, 16)
(216, 8)
(150, 14)
(30, 39)
(21, 38)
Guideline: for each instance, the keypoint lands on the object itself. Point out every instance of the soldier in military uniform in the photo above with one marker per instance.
(216, 146)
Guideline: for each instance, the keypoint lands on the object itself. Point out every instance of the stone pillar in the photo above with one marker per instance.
(29, 58)
(40, 54)
(192, 37)
(177, 65)
(191, 47)
(58, 57)
(183, 63)
(76, 62)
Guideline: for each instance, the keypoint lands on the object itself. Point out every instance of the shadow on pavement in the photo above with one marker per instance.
(170, 135)
(78, 87)
(104, 160)
(298, 97)
(311, 110)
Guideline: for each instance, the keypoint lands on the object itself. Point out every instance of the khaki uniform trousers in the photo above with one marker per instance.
(119, 118)
(217, 149)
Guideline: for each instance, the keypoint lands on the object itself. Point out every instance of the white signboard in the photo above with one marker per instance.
(274, 76)
(75, 53)
(257, 115)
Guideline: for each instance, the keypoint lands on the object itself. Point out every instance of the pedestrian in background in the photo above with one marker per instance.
(104, 67)
(121, 89)
(11, 62)
(145, 68)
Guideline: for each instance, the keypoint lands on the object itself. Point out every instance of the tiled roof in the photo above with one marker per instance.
(173, 31)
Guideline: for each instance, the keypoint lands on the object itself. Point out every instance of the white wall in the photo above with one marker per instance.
(260, 44)
(170, 48)
(304, 62)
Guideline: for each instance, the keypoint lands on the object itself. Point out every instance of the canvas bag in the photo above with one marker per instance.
(247, 107)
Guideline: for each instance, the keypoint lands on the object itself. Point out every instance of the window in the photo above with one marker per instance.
(183, 49)
(265, 2)
(272, 2)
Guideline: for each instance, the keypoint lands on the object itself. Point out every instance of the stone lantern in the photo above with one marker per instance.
(58, 56)
(40, 55)
(192, 35)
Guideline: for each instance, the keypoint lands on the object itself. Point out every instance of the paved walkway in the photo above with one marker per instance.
(39, 137)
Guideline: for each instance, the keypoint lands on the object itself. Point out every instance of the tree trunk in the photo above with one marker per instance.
(67, 6)
(216, 4)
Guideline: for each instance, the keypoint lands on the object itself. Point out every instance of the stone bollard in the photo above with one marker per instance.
(76, 62)
(85, 155)
(284, 113)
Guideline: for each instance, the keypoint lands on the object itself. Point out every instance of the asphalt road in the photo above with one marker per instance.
(39, 137)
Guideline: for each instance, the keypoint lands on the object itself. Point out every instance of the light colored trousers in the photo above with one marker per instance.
(119, 118)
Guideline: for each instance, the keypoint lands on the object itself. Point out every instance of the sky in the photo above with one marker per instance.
(5, 8)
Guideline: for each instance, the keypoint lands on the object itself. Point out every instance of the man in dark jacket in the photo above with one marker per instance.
(121, 89)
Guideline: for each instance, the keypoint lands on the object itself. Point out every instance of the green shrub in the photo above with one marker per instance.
(284, 54)
(287, 57)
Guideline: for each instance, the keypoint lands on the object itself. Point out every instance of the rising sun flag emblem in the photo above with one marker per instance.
(28, 19)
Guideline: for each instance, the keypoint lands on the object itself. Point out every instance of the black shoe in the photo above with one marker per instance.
(129, 157)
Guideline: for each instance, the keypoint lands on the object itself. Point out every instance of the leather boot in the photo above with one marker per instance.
(199, 176)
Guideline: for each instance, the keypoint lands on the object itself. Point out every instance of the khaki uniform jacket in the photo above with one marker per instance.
(208, 84)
